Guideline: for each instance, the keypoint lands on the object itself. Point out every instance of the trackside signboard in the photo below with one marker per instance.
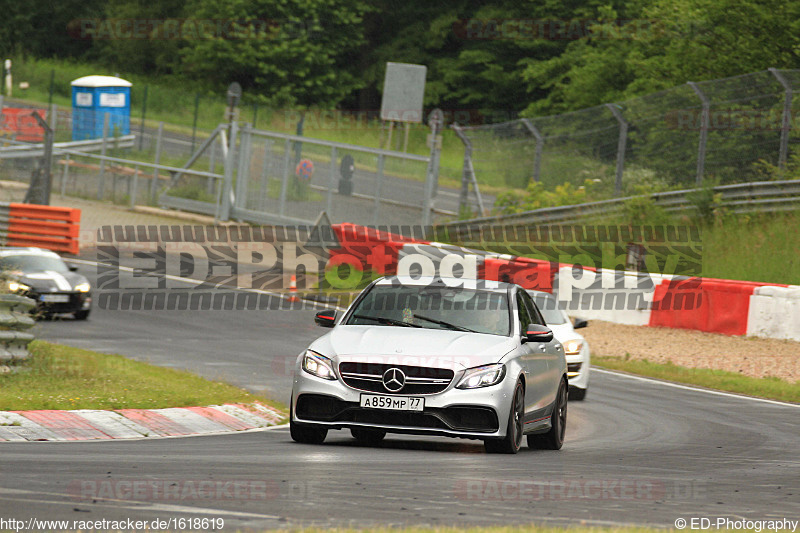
(403, 92)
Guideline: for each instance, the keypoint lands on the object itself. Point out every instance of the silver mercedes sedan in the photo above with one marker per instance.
(434, 356)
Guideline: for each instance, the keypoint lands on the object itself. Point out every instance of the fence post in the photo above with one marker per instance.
(786, 119)
(144, 114)
(54, 117)
(154, 184)
(243, 171)
(621, 143)
(212, 166)
(285, 179)
(65, 177)
(701, 149)
(194, 124)
(537, 157)
(135, 189)
(331, 181)
(101, 177)
(265, 174)
(379, 191)
(227, 183)
(468, 174)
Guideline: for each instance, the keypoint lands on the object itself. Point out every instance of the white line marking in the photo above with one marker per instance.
(691, 388)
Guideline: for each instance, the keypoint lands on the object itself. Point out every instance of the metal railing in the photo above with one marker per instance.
(755, 197)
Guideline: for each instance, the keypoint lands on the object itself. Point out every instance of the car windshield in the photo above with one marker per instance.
(28, 263)
(456, 309)
(548, 305)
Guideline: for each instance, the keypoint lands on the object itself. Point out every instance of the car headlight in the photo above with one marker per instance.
(83, 287)
(482, 376)
(573, 347)
(15, 286)
(318, 365)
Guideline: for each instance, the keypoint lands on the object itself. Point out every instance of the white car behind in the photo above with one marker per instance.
(576, 349)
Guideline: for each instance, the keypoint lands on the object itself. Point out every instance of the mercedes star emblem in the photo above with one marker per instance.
(394, 380)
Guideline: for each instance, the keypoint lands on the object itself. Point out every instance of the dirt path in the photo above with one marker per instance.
(750, 356)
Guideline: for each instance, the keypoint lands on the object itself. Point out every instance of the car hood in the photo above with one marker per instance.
(413, 346)
(51, 281)
(565, 332)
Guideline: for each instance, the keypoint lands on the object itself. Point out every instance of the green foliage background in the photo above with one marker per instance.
(500, 57)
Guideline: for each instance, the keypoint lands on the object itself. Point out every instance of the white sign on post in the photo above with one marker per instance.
(403, 92)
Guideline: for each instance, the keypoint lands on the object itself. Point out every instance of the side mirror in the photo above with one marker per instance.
(538, 333)
(326, 318)
(580, 323)
(72, 268)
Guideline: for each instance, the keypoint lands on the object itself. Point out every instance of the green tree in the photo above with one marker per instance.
(291, 53)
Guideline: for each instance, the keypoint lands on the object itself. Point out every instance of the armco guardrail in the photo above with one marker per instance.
(762, 196)
(43, 226)
(27, 150)
(15, 319)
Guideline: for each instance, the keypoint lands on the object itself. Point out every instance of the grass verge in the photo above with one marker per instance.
(772, 388)
(62, 377)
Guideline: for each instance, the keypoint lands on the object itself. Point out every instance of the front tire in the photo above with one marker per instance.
(81, 315)
(512, 442)
(576, 394)
(305, 434)
(367, 436)
(554, 439)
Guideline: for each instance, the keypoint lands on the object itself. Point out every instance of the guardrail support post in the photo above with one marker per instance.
(331, 181)
(65, 176)
(287, 149)
(786, 119)
(379, 190)
(704, 120)
(132, 191)
(537, 157)
(621, 143)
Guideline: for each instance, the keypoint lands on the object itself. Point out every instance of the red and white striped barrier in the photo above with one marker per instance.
(86, 424)
(714, 305)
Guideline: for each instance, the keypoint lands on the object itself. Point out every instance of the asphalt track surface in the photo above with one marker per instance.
(636, 452)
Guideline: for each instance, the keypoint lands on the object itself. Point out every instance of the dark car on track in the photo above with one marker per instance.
(44, 276)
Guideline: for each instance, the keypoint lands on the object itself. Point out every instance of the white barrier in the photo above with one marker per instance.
(775, 312)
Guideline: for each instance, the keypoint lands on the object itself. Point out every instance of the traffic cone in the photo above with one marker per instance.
(293, 289)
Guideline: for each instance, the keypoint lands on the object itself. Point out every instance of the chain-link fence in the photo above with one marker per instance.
(710, 132)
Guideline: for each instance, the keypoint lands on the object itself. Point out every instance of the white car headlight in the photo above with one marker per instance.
(482, 376)
(318, 365)
(83, 287)
(15, 286)
(573, 347)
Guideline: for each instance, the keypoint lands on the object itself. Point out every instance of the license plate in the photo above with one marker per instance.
(395, 403)
(55, 298)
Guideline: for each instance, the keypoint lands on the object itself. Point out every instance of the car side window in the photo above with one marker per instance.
(523, 311)
(534, 313)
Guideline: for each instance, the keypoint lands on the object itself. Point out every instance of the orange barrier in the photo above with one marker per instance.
(43, 226)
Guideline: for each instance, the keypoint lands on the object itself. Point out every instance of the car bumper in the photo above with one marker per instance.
(578, 369)
(476, 413)
(73, 302)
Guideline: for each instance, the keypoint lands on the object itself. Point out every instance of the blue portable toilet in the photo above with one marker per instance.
(92, 98)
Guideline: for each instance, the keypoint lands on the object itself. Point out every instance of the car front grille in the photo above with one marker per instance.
(320, 408)
(573, 369)
(418, 379)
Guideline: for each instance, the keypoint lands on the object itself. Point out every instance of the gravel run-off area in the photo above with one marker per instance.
(750, 356)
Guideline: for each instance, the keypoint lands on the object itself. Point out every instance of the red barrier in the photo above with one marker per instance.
(715, 305)
(22, 124)
(368, 248)
(44, 226)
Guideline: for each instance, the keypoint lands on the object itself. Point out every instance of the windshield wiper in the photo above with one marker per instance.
(386, 320)
(448, 325)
